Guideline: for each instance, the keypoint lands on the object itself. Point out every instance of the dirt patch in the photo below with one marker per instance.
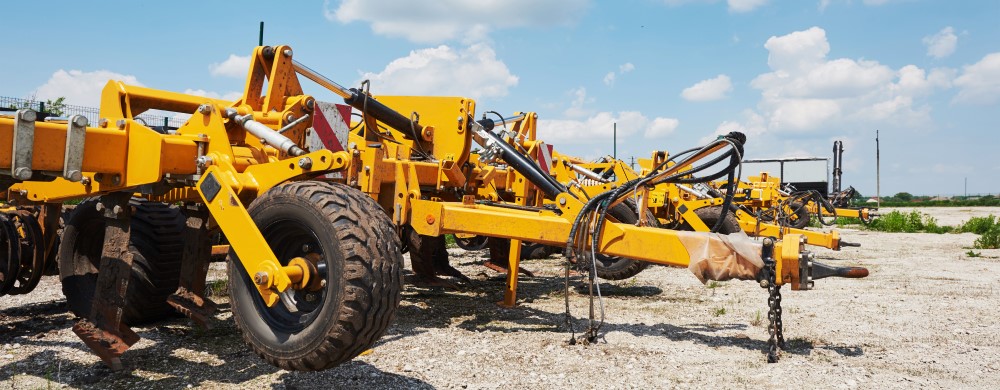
(926, 317)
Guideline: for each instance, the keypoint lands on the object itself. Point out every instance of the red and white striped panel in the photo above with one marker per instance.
(545, 157)
(331, 125)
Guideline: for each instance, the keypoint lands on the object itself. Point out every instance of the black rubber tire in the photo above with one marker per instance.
(534, 250)
(615, 267)
(710, 216)
(360, 252)
(156, 243)
(797, 215)
(473, 243)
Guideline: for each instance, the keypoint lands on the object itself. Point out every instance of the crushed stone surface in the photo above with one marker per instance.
(925, 317)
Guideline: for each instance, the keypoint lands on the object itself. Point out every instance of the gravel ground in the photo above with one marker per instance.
(924, 318)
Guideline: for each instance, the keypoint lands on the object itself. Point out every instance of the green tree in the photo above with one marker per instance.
(904, 196)
(54, 107)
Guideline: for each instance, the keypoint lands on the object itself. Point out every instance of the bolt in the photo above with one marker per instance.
(764, 283)
(120, 123)
(80, 120)
(117, 210)
(305, 163)
(260, 278)
(28, 115)
(99, 206)
(460, 119)
(310, 297)
(116, 179)
(310, 104)
(85, 181)
(562, 201)
(287, 52)
(203, 161)
(429, 219)
(103, 122)
(306, 248)
(205, 109)
(23, 192)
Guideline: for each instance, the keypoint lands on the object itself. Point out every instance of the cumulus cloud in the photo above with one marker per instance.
(439, 21)
(79, 87)
(473, 71)
(980, 82)
(745, 5)
(599, 128)
(234, 66)
(708, 90)
(942, 44)
(610, 77)
(806, 91)
(231, 96)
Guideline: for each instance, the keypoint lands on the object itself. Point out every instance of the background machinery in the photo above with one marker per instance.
(315, 230)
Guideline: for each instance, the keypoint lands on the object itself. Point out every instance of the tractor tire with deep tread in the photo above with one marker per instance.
(357, 253)
(156, 242)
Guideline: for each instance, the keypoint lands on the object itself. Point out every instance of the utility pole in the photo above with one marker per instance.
(614, 135)
(878, 175)
(966, 187)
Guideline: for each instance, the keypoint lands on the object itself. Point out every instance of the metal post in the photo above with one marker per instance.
(260, 39)
(878, 174)
(166, 123)
(615, 143)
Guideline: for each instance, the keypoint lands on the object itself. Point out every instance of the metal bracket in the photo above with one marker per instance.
(76, 134)
(23, 144)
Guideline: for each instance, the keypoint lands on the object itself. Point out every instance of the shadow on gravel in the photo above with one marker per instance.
(475, 309)
(350, 375)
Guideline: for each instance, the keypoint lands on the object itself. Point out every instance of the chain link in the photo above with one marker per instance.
(775, 327)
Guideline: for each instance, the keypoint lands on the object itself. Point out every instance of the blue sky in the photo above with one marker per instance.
(793, 75)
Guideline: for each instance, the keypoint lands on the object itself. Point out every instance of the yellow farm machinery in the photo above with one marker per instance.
(317, 211)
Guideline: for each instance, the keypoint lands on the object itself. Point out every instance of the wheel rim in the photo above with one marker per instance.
(298, 308)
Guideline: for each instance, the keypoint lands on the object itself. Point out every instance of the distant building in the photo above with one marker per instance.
(940, 198)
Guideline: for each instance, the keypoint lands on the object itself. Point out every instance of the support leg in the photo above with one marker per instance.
(103, 331)
(514, 259)
(190, 299)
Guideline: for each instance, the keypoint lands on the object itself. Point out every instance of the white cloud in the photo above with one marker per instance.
(661, 127)
(745, 5)
(80, 88)
(234, 66)
(942, 44)
(231, 96)
(806, 91)
(980, 82)
(600, 127)
(473, 71)
(708, 90)
(610, 77)
(439, 21)
(576, 108)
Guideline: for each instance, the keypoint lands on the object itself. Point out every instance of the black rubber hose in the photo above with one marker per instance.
(523, 165)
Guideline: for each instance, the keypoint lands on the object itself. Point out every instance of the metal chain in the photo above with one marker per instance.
(775, 327)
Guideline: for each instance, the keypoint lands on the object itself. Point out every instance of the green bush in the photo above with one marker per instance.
(911, 222)
(989, 240)
(979, 225)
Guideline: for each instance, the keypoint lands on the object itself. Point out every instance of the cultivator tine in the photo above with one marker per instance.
(104, 331)
(190, 297)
